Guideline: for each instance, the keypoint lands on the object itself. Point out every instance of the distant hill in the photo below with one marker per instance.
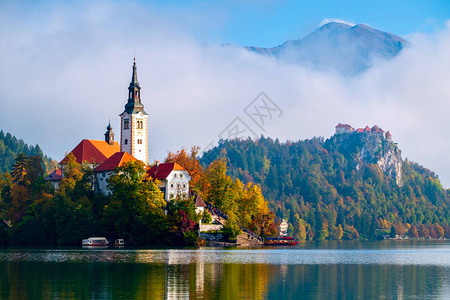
(10, 147)
(337, 46)
(357, 181)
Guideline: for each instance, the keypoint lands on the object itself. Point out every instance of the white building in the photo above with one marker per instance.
(344, 128)
(283, 228)
(174, 180)
(105, 170)
(134, 123)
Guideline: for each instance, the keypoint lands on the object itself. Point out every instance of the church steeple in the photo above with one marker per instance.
(109, 135)
(134, 122)
(134, 103)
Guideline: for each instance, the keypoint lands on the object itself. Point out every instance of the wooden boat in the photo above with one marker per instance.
(119, 243)
(95, 242)
(280, 241)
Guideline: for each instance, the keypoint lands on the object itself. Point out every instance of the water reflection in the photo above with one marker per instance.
(420, 271)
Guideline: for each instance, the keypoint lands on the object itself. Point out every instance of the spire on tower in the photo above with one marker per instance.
(134, 78)
(109, 135)
(134, 104)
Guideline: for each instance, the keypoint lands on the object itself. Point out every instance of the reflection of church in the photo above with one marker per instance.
(106, 155)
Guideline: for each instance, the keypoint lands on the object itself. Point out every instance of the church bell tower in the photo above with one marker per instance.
(134, 122)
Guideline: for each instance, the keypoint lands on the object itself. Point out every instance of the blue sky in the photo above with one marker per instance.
(268, 23)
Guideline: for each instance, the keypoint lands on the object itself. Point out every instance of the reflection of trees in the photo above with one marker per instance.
(195, 279)
(357, 281)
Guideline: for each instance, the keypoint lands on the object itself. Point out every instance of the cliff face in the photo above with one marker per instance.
(373, 149)
(377, 149)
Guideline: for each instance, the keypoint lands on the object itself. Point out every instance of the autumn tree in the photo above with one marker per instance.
(439, 231)
(413, 232)
(190, 162)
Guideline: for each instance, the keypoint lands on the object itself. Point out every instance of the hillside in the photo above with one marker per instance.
(355, 182)
(10, 147)
(337, 46)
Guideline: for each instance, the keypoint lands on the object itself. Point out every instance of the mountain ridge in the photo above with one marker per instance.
(346, 49)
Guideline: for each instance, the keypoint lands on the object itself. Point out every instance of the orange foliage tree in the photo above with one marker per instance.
(190, 162)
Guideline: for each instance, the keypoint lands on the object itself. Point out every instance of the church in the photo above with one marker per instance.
(106, 155)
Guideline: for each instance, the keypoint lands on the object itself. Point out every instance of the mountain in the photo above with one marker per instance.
(336, 46)
(356, 182)
(10, 147)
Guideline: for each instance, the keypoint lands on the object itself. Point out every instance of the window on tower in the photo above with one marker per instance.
(140, 124)
(126, 142)
(126, 124)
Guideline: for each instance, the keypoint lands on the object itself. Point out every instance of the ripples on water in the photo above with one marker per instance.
(329, 270)
(403, 254)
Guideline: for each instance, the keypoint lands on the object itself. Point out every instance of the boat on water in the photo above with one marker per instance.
(119, 243)
(95, 242)
(280, 241)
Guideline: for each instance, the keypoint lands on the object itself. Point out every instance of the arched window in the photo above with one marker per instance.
(126, 142)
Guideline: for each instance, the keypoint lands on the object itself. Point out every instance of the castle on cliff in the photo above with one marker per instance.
(375, 130)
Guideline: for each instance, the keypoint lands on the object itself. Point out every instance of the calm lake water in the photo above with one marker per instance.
(328, 270)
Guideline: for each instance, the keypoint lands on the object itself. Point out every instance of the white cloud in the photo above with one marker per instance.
(65, 72)
(329, 20)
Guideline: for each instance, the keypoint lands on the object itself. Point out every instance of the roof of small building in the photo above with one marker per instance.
(54, 176)
(360, 130)
(343, 126)
(199, 201)
(388, 133)
(162, 170)
(93, 151)
(116, 160)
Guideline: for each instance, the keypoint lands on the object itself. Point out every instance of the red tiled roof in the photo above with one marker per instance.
(388, 133)
(161, 171)
(92, 151)
(360, 130)
(116, 160)
(55, 176)
(343, 126)
(367, 128)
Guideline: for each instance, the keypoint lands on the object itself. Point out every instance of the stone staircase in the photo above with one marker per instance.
(245, 239)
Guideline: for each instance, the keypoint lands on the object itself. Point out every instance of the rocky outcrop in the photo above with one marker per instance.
(371, 148)
(378, 150)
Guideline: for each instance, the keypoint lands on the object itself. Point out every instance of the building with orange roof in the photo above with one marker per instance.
(92, 152)
(173, 178)
(105, 170)
(344, 128)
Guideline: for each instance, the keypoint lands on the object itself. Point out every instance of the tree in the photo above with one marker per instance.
(190, 162)
(231, 229)
(18, 172)
(206, 218)
(218, 183)
(439, 231)
(393, 232)
(413, 232)
(134, 200)
(423, 231)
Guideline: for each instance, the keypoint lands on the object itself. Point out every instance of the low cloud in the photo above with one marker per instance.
(65, 72)
(329, 20)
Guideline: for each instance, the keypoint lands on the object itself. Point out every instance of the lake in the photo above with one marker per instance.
(326, 270)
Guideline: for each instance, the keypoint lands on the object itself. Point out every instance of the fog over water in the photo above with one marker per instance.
(66, 68)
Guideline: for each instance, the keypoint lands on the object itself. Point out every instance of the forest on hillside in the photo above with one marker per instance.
(316, 185)
(33, 212)
(10, 147)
